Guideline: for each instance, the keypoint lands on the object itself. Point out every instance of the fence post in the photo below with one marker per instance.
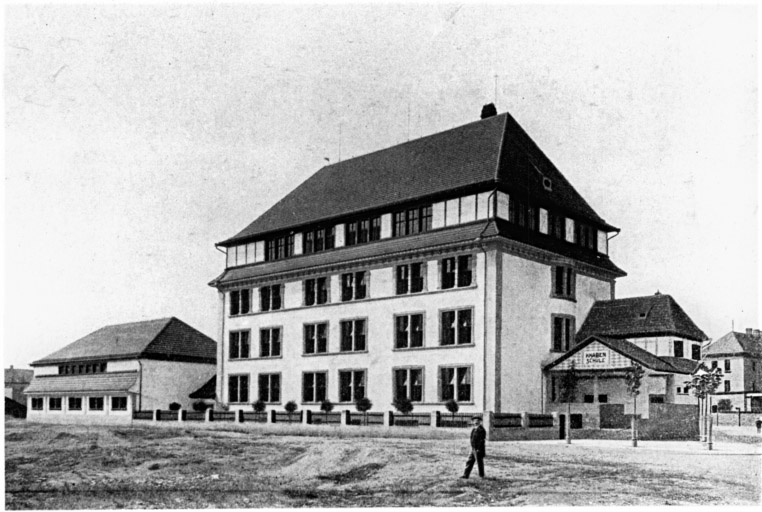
(556, 421)
(156, 415)
(345, 418)
(307, 417)
(208, 415)
(524, 419)
(271, 416)
(488, 420)
(435, 419)
(239, 416)
(388, 418)
(181, 415)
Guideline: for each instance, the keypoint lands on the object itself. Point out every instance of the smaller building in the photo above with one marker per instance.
(16, 381)
(117, 369)
(739, 356)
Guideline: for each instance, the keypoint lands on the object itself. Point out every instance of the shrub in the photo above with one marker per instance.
(452, 406)
(724, 405)
(326, 406)
(174, 406)
(290, 407)
(403, 405)
(200, 406)
(363, 404)
(259, 406)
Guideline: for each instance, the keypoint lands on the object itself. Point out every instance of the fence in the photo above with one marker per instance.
(254, 417)
(223, 416)
(457, 420)
(166, 415)
(284, 417)
(411, 420)
(368, 418)
(142, 415)
(540, 420)
(194, 416)
(506, 420)
(326, 418)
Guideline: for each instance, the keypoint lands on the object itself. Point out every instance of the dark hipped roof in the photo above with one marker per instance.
(119, 382)
(738, 343)
(630, 350)
(466, 233)
(206, 392)
(16, 376)
(653, 315)
(166, 338)
(490, 152)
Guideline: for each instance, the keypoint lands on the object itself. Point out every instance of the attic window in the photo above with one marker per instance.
(642, 315)
(547, 184)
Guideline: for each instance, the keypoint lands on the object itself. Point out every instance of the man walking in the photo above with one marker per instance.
(478, 436)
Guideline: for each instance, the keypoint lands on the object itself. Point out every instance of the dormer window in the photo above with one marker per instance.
(362, 231)
(279, 248)
(319, 239)
(412, 221)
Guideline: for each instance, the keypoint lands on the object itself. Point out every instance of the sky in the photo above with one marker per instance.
(136, 137)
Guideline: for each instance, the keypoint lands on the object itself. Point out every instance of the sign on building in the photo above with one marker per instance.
(597, 357)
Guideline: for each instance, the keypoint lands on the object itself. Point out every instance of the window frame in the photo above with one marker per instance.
(568, 282)
(316, 399)
(239, 302)
(267, 298)
(404, 278)
(457, 330)
(270, 330)
(412, 220)
(239, 355)
(462, 265)
(270, 376)
(312, 289)
(58, 403)
(114, 406)
(350, 290)
(71, 405)
(243, 392)
(456, 390)
(100, 406)
(695, 352)
(409, 345)
(726, 386)
(353, 384)
(726, 366)
(409, 387)
(38, 403)
(315, 341)
(675, 345)
(353, 321)
(569, 330)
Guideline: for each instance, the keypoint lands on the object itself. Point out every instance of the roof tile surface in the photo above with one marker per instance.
(99, 382)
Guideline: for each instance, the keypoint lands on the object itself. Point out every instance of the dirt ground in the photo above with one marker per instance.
(81, 467)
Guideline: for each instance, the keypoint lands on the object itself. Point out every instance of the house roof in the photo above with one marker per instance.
(121, 382)
(16, 376)
(735, 343)
(484, 154)
(653, 315)
(166, 339)
(466, 233)
(207, 391)
(631, 351)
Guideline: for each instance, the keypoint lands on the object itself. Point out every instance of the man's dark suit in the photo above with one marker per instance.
(478, 436)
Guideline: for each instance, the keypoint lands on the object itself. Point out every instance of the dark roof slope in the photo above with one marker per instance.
(653, 315)
(16, 376)
(206, 392)
(735, 343)
(492, 151)
(165, 338)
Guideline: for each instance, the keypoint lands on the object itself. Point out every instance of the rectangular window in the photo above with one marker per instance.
(95, 403)
(315, 291)
(410, 278)
(269, 387)
(270, 298)
(412, 221)
(352, 336)
(55, 403)
(563, 332)
(269, 342)
(456, 272)
(314, 387)
(556, 225)
(727, 365)
(714, 365)
(523, 214)
(37, 404)
(727, 386)
(696, 352)
(238, 389)
(118, 403)
(353, 286)
(456, 327)
(351, 385)
(603, 399)
(586, 236)
(316, 338)
(239, 345)
(455, 383)
(375, 228)
(408, 331)
(75, 403)
(563, 282)
(279, 248)
(362, 231)
(677, 348)
(408, 383)
(589, 399)
(240, 302)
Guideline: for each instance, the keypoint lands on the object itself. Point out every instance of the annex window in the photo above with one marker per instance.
(603, 399)
(727, 386)
(269, 387)
(315, 291)
(408, 383)
(279, 248)
(55, 403)
(589, 399)
(37, 404)
(238, 389)
(523, 214)
(76, 369)
(240, 302)
(677, 348)
(362, 231)
(351, 385)
(410, 278)
(269, 342)
(556, 225)
(75, 403)
(408, 331)
(316, 338)
(727, 365)
(412, 221)
(353, 335)
(696, 352)
(270, 298)
(354, 286)
(314, 387)
(714, 365)
(455, 383)
(118, 403)
(239, 345)
(563, 332)
(457, 272)
(319, 239)
(563, 282)
(95, 403)
(456, 327)
(586, 236)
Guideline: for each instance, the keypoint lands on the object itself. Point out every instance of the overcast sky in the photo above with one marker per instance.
(137, 137)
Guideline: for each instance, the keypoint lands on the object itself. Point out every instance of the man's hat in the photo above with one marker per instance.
(476, 417)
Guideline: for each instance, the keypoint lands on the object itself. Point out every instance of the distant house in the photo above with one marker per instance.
(109, 373)
(739, 356)
(652, 331)
(16, 381)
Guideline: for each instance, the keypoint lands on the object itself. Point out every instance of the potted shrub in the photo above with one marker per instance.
(290, 407)
(259, 406)
(326, 406)
(363, 405)
(452, 406)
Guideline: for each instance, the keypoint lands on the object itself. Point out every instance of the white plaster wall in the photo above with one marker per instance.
(339, 237)
(292, 294)
(437, 215)
(663, 345)
(382, 282)
(298, 246)
(122, 366)
(106, 416)
(164, 382)
(46, 370)
(386, 225)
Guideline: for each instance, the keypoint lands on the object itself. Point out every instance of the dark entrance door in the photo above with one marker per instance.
(562, 426)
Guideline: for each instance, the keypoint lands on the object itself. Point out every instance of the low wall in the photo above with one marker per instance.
(747, 419)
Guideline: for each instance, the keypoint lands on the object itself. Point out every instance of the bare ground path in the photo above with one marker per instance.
(78, 467)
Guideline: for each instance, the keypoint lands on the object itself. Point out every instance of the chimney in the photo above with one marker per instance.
(489, 110)
(749, 331)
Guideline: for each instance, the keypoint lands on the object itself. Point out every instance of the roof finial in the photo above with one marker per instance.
(657, 292)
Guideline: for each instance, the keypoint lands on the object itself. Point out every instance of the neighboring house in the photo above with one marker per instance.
(447, 267)
(739, 356)
(120, 368)
(652, 331)
(16, 381)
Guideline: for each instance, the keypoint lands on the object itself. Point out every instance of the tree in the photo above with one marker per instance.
(326, 406)
(568, 392)
(633, 379)
(724, 405)
(290, 408)
(403, 405)
(703, 384)
(259, 406)
(363, 405)
(452, 406)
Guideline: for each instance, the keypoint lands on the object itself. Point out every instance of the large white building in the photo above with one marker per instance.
(451, 266)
